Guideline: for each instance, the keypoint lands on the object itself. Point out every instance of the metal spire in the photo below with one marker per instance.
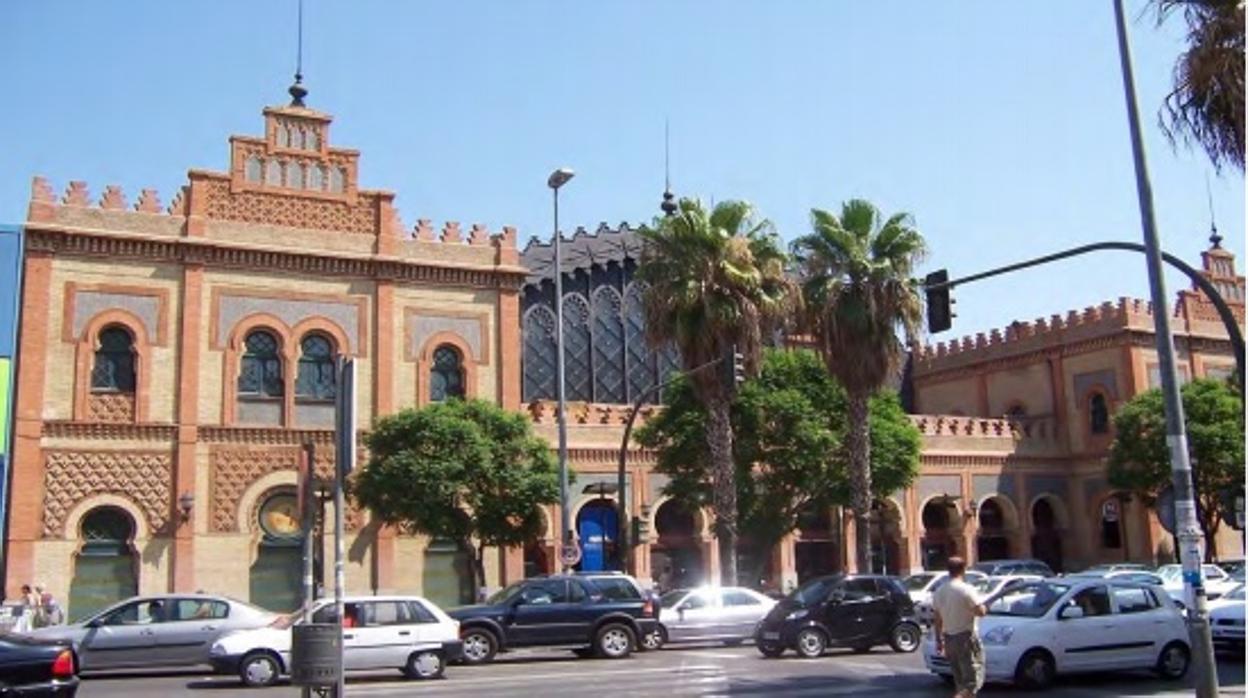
(297, 90)
(1214, 237)
(669, 204)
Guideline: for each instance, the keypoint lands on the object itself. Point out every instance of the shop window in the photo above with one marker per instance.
(113, 370)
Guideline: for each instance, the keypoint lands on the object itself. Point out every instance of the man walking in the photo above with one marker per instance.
(957, 634)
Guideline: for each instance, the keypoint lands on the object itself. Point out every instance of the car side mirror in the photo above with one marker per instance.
(94, 623)
(1070, 613)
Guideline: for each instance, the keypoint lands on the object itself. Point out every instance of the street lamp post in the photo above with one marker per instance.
(557, 179)
(1187, 528)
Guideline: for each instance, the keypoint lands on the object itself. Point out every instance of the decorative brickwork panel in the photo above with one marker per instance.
(235, 469)
(932, 485)
(111, 407)
(983, 485)
(88, 304)
(291, 311)
(423, 326)
(291, 211)
(72, 476)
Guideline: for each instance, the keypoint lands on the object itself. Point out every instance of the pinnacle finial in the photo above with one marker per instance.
(1214, 237)
(668, 207)
(297, 90)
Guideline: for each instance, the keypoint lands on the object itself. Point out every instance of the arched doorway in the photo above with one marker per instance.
(885, 537)
(447, 575)
(596, 527)
(992, 541)
(276, 577)
(816, 552)
(676, 558)
(941, 525)
(1046, 537)
(104, 568)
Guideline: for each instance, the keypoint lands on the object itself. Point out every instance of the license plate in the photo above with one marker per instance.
(771, 636)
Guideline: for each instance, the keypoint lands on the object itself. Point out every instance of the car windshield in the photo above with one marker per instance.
(673, 597)
(1029, 600)
(812, 592)
(985, 585)
(505, 594)
(1237, 594)
(1170, 573)
(916, 582)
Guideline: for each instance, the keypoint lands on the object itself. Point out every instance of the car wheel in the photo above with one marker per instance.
(811, 643)
(259, 669)
(905, 638)
(614, 641)
(771, 651)
(1035, 670)
(1173, 662)
(426, 664)
(479, 646)
(655, 639)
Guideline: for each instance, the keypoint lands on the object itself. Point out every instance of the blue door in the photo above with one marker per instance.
(596, 526)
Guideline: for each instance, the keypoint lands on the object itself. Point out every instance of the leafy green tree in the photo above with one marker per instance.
(789, 424)
(715, 280)
(1206, 104)
(465, 470)
(1139, 460)
(858, 292)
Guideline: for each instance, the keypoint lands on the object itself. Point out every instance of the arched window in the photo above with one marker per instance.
(316, 177)
(113, 371)
(539, 354)
(251, 169)
(577, 348)
(316, 379)
(608, 346)
(261, 372)
(1098, 414)
(294, 176)
(446, 376)
(273, 173)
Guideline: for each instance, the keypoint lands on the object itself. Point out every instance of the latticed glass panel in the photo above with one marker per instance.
(107, 524)
(669, 362)
(640, 358)
(608, 346)
(576, 348)
(446, 376)
(317, 379)
(113, 370)
(261, 372)
(539, 354)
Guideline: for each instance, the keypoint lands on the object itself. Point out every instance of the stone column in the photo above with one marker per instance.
(185, 469)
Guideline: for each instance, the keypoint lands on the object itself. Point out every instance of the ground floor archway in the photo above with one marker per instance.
(596, 527)
(992, 541)
(676, 559)
(1047, 524)
(942, 525)
(105, 566)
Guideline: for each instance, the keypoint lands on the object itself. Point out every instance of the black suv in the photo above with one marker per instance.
(858, 611)
(607, 613)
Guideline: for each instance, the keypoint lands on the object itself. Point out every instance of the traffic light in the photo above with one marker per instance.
(940, 301)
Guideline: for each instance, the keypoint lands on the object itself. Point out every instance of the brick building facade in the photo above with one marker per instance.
(174, 358)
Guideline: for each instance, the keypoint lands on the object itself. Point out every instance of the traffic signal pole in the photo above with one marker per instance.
(1189, 533)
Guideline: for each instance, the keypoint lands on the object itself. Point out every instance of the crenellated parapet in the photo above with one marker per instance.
(1106, 319)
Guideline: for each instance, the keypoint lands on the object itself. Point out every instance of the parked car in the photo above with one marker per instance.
(608, 613)
(408, 633)
(1233, 567)
(996, 568)
(858, 611)
(1217, 581)
(1141, 576)
(1037, 630)
(37, 668)
(155, 631)
(727, 614)
(1226, 618)
(988, 587)
(922, 585)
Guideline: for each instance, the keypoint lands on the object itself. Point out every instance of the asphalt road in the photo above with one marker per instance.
(687, 671)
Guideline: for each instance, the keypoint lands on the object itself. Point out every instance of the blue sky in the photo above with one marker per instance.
(999, 125)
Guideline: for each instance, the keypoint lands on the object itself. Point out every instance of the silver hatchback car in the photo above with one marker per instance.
(159, 630)
(726, 614)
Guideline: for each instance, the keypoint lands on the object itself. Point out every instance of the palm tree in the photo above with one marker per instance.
(857, 292)
(1206, 104)
(715, 281)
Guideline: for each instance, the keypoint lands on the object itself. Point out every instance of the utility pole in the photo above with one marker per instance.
(1188, 530)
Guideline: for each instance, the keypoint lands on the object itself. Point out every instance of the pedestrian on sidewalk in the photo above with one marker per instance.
(51, 610)
(957, 632)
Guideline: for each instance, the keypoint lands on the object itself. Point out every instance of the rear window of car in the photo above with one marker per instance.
(616, 589)
(916, 582)
(1133, 599)
(420, 614)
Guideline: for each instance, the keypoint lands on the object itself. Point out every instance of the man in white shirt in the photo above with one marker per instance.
(957, 637)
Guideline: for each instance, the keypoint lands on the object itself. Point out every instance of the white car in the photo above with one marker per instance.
(728, 614)
(991, 586)
(1037, 630)
(1226, 619)
(922, 585)
(1217, 581)
(380, 632)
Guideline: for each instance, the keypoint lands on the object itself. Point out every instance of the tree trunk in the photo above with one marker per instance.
(723, 486)
(478, 570)
(858, 441)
